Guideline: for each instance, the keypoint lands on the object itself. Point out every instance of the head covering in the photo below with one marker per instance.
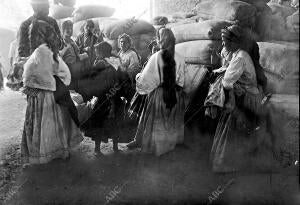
(44, 30)
(39, 1)
(232, 33)
(104, 48)
(66, 24)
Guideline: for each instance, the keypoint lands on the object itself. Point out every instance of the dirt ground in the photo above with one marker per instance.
(182, 176)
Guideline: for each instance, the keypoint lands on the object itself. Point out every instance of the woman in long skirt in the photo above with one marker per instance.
(49, 131)
(161, 124)
(235, 141)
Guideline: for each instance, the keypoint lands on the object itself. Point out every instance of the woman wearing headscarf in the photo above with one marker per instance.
(161, 124)
(239, 100)
(49, 131)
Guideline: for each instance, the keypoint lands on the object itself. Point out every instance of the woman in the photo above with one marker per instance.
(161, 124)
(240, 99)
(86, 41)
(49, 131)
(130, 62)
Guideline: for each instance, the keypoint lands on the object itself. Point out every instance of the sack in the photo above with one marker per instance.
(283, 11)
(280, 61)
(137, 104)
(70, 3)
(205, 30)
(91, 11)
(292, 22)
(193, 77)
(130, 26)
(198, 52)
(60, 12)
(228, 11)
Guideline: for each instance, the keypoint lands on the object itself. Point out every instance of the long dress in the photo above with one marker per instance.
(49, 131)
(160, 129)
(235, 139)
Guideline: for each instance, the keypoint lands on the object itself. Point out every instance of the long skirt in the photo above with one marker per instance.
(49, 131)
(160, 129)
(235, 139)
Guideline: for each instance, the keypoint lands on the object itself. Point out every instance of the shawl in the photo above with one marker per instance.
(40, 68)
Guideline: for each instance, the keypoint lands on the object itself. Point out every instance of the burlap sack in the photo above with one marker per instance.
(205, 30)
(282, 10)
(70, 3)
(280, 61)
(292, 22)
(92, 11)
(198, 52)
(228, 10)
(129, 26)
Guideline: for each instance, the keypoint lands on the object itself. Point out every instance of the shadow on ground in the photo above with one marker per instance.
(182, 176)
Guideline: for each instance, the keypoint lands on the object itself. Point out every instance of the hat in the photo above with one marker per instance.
(39, 1)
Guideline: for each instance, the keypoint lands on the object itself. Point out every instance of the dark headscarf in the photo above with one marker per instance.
(167, 40)
(233, 33)
(42, 29)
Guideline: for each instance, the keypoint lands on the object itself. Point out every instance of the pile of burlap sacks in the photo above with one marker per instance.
(276, 29)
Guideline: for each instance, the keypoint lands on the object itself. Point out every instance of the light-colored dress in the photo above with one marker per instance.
(49, 130)
(160, 129)
(235, 138)
(130, 63)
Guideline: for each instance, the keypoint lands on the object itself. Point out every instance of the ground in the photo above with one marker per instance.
(182, 176)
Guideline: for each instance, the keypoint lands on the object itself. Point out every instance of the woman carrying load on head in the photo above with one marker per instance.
(49, 130)
(240, 101)
(161, 124)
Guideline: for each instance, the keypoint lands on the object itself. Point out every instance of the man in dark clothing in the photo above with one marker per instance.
(41, 12)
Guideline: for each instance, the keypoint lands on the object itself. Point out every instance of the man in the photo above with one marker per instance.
(41, 12)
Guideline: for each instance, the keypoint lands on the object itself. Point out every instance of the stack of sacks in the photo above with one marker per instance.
(91, 11)
(195, 43)
(140, 31)
(263, 13)
(281, 63)
(284, 126)
(276, 23)
(227, 11)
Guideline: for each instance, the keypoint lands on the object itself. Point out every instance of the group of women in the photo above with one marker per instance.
(50, 129)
